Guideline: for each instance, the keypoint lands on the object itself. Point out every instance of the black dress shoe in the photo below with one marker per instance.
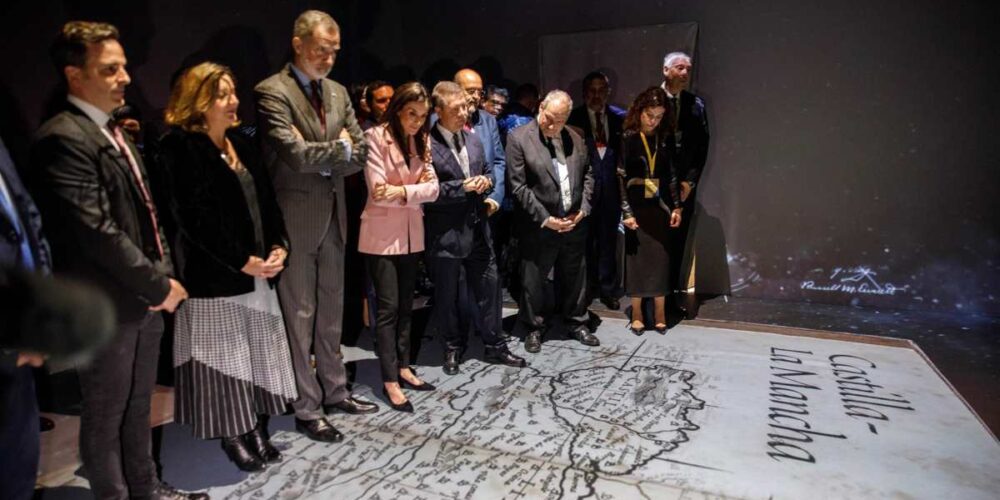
(424, 386)
(163, 491)
(452, 359)
(319, 430)
(405, 406)
(354, 406)
(241, 455)
(533, 342)
(259, 443)
(584, 336)
(611, 303)
(501, 355)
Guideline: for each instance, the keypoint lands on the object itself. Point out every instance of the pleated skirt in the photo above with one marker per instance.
(231, 362)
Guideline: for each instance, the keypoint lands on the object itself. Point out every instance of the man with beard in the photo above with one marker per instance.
(311, 141)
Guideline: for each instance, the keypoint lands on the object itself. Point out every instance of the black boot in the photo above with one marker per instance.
(260, 443)
(241, 455)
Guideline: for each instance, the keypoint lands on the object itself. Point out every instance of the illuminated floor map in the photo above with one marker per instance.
(700, 413)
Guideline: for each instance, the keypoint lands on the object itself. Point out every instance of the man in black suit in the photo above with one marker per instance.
(687, 124)
(550, 179)
(23, 248)
(458, 234)
(601, 124)
(92, 189)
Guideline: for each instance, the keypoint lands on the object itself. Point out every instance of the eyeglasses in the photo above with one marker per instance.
(474, 92)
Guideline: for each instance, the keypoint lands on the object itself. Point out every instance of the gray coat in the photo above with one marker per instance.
(306, 197)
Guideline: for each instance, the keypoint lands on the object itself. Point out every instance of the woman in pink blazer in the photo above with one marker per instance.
(400, 178)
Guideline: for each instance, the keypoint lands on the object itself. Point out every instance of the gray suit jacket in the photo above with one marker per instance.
(306, 197)
(533, 182)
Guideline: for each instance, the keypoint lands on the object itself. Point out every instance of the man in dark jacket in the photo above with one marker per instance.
(687, 125)
(91, 188)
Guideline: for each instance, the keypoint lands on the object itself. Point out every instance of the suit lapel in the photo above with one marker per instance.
(332, 112)
(475, 151)
(571, 158)
(397, 158)
(542, 151)
(443, 156)
(106, 150)
(298, 97)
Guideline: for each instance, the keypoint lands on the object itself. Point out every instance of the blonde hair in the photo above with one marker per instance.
(193, 94)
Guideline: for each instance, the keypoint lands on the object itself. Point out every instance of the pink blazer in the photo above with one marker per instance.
(389, 227)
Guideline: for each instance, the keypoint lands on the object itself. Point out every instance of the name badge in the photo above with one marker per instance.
(652, 187)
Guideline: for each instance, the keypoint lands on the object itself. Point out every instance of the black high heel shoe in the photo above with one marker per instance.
(424, 386)
(637, 331)
(661, 329)
(241, 455)
(405, 406)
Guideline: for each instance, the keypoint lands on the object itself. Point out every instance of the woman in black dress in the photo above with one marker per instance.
(651, 206)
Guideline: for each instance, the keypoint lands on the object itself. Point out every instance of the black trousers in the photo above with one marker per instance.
(602, 246)
(19, 442)
(117, 386)
(394, 277)
(543, 250)
(483, 288)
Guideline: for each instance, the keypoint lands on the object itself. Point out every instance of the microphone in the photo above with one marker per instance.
(66, 320)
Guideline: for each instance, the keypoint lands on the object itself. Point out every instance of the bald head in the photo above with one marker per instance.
(472, 84)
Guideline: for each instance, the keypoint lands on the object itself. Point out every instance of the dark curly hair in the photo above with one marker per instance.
(650, 98)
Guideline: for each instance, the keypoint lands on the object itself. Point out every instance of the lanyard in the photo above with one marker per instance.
(651, 157)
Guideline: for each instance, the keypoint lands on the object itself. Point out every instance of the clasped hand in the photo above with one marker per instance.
(269, 268)
(478, 184)
(564, 224)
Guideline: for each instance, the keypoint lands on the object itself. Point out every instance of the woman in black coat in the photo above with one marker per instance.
(231, 356)
(651, 207)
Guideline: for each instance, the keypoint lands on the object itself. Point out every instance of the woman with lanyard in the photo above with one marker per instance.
(650, 207)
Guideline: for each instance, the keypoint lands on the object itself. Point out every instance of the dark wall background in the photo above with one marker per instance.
(853, 142)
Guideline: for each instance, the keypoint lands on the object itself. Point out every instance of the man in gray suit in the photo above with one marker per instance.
(311, 140)
(550, 179)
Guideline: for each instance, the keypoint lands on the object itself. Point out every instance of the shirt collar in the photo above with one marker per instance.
(302, 78)
(669, 95)
(447, 134)
(99, 117)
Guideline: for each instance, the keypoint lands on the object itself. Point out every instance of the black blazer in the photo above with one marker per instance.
(215, 231)
(689, 160)
(29, 218)
(95, 218)
(532, 178)
(450, 220)
(635, 169)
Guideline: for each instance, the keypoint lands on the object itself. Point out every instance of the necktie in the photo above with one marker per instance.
(456, 139)
(24, 252)
(317, 103)
(674, 114)
(600, 136)
(123, 148)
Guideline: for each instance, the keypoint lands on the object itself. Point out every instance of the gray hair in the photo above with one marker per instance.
(553, 96)
(671, 58)
(445, 92)
(308, 21)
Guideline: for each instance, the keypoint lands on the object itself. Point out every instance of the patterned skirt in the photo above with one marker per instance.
(231, 362)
